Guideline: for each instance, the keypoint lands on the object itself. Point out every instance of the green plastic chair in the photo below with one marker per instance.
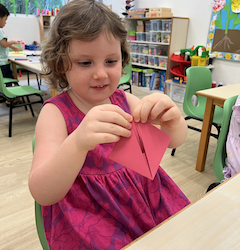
(220, 153)
(13, 93)
(199, 78)
(38, 218)
(126, 77)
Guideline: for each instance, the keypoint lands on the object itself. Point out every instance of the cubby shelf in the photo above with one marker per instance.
(178, 38)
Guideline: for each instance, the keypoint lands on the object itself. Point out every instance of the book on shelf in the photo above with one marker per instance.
(154, 82)
(162, 80)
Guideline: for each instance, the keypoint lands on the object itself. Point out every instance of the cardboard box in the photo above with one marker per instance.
(136, 16)
(136, 12)
(140, 26)
(160, 9)
(160, 14)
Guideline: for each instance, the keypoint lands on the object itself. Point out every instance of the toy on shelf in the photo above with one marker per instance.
(199, 56)
(128, 6)
(179, 70)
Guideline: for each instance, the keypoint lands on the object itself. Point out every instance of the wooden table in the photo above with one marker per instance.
(30, 66)
(212, 222)
(215, 96)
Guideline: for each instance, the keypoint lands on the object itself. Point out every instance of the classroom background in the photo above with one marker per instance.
(199, 14)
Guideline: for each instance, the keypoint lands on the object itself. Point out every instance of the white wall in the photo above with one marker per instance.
(199, 14)
(22, 28)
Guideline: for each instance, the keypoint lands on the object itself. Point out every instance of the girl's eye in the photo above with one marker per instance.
(111, 61)
(84, 63)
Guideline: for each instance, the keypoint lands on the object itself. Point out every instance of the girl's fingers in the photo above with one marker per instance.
(170, 114)
(110, 128)
(116, 109)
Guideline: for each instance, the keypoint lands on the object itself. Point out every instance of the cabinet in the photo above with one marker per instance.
(175, 42)
(44, 25)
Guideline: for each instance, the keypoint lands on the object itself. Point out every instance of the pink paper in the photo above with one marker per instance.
(143, 151)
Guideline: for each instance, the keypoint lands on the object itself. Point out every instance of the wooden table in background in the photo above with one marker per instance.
(33, 67)
(215, 96)
(212, 222)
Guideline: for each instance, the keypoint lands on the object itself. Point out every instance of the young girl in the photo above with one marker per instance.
(89, 201)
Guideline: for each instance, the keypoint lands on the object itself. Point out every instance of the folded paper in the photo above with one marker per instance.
(143, 150)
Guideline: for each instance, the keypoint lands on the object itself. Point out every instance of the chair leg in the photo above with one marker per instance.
(10, 119)
(38, 82)
(173, 151)
(30, 106)
(24, 102)
(28, 77)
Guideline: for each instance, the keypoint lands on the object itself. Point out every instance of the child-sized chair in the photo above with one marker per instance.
(38, 218)
(13, 93)
(220, 153)
(126, 77)
(199, 78)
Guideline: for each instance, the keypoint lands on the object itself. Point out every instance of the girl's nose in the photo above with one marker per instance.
(100, 73)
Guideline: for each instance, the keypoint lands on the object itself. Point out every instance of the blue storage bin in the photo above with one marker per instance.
(32, 47)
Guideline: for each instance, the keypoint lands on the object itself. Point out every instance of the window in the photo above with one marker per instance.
(19, 6)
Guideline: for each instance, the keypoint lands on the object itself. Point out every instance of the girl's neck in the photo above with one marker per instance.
(82, 105)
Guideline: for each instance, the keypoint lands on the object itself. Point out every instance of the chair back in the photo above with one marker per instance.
(3, 88)
(220, 153)
(198, 78)
(127, 73)
(38, 218)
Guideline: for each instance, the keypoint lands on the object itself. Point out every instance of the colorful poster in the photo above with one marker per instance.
(224, 31)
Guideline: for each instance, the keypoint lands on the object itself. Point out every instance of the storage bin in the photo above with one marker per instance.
(151, 60)
(156, 25)
(143, 49)
(141, 36)
(134, 48)
(163, 61)
(147, 26)
(134, 57)
(156, 61)
(165, 37)
(166, 25)
(143, 59)
(175, 91)
(155, 36)
(148, 36)
(31, 47)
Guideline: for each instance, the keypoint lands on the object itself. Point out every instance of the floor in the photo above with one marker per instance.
(17, 221)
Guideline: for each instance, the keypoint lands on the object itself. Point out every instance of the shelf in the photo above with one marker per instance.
(149, 18)
(145, 42)
(148, 66)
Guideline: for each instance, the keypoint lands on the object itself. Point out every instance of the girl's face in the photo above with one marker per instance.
(96, 69)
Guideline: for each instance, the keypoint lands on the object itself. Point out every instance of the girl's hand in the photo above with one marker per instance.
(157, 109)
(103, 124)
(16, 49)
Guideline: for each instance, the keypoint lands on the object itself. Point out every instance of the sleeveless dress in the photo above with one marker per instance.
(233, 143)
(108, 206)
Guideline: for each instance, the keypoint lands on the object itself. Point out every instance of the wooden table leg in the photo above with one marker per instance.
(205, 134)
(15, 75)
(53, 92)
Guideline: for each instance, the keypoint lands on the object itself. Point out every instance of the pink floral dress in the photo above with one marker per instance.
(108, 206)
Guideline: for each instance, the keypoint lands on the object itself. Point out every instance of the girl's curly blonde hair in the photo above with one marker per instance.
(79, 19)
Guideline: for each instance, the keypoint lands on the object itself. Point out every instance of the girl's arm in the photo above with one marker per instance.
(9, 44)
(162, 112)
(58, 158)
